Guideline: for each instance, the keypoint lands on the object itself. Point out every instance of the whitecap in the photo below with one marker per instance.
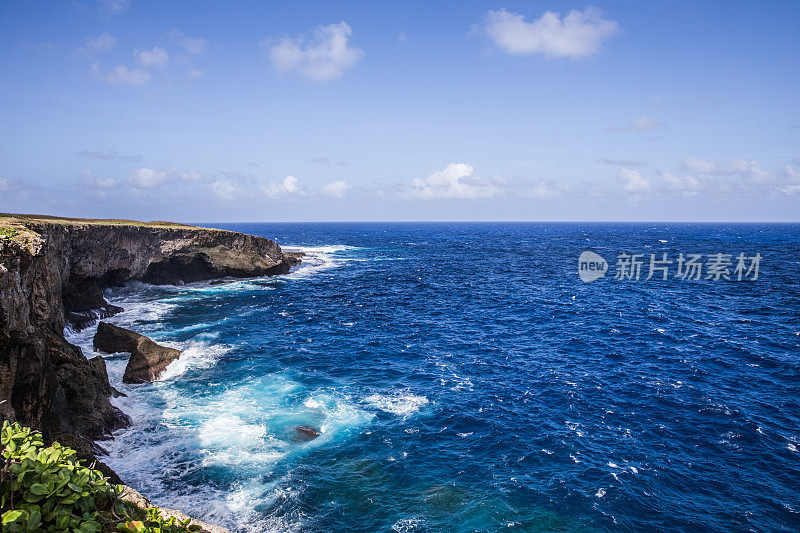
(406, 525)
(195, 355)
(311, 403)
(403, 403)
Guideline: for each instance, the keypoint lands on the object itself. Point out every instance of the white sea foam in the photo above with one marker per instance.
(319, 258)
(403, 403)
(196, 355)
(311, 403)
(230, 441)
(246, 427)
(407, 525)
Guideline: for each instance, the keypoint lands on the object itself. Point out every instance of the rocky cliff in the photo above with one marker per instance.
(53, 270)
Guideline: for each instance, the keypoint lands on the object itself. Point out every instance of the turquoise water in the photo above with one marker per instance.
(463, 378)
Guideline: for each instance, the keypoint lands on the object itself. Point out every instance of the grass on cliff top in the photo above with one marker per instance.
(12, 217)
(21, 229)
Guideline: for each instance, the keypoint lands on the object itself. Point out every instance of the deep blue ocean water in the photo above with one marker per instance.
(464, 378)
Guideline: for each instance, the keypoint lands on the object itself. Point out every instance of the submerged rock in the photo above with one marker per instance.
(305, 433)
(148, 359)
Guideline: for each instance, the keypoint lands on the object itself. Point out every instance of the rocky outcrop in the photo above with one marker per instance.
(46, 382)
(50, 271)
(304, 433)
(148, 360)
(100, 256)
(133, 499)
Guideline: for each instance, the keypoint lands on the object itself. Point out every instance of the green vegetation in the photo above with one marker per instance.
(95, 221)
(47, 490)
(8, 232)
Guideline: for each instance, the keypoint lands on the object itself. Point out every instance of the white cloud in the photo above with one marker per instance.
(543, 190)
(225, 190)
(189, 175)
(97, 45)
(192, 45)
(92, 183)
(107, 155)
(121, 75)
(632, 181)
(324, 56)
(106, 183)
(289, 186)
(337, 188)
(733, 167)
(641, 125)
(621, 162)
(155, 58)
(578, 34)
(115, 6)
(689, 185)
(790, 190)
(147, 178)
(173, 173)
(5, 184)
(456, 180)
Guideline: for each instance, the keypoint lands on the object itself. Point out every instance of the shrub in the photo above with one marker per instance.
(8, 232)
(47, 490)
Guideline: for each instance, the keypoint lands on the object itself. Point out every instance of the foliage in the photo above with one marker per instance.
(8, 232)
(47, 490)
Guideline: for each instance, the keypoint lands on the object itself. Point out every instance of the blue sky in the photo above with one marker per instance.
(253, 111)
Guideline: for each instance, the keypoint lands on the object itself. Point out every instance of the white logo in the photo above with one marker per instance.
(591, 266)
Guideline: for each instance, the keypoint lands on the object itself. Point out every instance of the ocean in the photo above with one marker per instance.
(464, 378)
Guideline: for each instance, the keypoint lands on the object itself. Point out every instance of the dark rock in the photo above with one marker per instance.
(305, 433)
(293, 258)
(148, 359)
(79, 320)
(58, 273)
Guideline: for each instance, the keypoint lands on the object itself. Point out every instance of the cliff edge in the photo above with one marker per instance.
(55, 270)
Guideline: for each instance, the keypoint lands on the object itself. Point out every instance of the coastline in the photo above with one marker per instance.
(52, 276)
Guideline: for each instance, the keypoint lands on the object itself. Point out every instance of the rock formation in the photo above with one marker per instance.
(148, 359)
(304, 433)
(51, 270)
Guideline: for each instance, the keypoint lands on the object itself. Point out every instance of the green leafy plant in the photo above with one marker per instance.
(47, 490)
(155, 523)
(8, 232)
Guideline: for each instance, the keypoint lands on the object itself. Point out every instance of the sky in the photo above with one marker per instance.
(389, 111)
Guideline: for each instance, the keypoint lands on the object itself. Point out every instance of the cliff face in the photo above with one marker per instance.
(50, 271)
(99, 256)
